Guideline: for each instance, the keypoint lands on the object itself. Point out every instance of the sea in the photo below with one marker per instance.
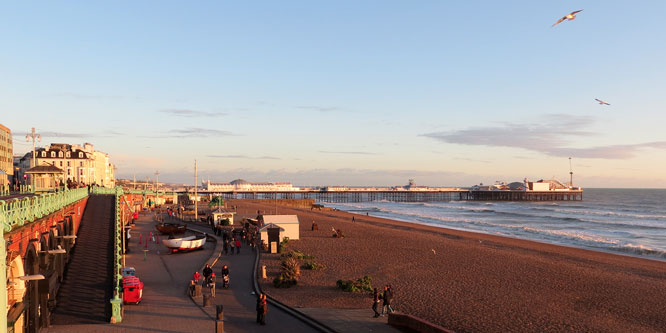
(622, 221)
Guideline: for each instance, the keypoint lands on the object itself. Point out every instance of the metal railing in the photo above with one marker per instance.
(116, 301)
(19, 211)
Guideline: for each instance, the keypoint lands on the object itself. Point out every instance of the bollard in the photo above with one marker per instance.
(263, 271)
(197, 290)
(207, 300)
(219, 322)
(144, 254)
(157, 239)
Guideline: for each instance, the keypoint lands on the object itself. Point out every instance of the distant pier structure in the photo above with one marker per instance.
(542, 190)
(408, 196)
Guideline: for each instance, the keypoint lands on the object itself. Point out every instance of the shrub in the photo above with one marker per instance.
(282, 282)
(312, 266)
(290, 268)
(358, 286)
(298, 255)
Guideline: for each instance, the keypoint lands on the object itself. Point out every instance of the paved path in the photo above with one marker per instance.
(239, 300)
(166, 306)
(87, 285)
(350, 320)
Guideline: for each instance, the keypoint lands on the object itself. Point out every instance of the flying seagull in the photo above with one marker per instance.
(433, 251)
(601, 102)
(571, 16)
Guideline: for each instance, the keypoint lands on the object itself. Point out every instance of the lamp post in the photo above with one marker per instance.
(34, 136)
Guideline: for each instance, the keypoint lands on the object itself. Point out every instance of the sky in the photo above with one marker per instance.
(344, 92)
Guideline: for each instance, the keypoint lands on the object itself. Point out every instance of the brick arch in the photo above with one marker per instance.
(31, 298)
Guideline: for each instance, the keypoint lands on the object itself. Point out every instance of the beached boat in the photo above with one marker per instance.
(188, 243)
(171, 228)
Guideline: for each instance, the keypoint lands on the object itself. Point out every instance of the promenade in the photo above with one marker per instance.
(166, 307)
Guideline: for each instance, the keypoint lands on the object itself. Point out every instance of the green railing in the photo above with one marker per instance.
(19, 211)
(116, 301)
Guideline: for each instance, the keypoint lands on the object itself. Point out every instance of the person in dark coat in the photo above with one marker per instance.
(207, 271)
(262, 309)
(376, 296)
(388, 297)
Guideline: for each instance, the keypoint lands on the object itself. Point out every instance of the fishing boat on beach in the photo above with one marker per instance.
(188, 243)
(171, 228)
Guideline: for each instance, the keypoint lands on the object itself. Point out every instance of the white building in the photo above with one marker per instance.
(289, 223)
(80, 164)
(241, 185)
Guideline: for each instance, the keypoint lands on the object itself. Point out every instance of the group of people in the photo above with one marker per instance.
(386, 297)
(208, 278)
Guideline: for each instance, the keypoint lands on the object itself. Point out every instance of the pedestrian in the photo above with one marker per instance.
(388, 297)
(226, 246)
(262, 309)
(211, 284)
(238, 246)
(192, 287)
(207, 271)
(197, 276)
(376, 296)
(232, 244)
(353, 219)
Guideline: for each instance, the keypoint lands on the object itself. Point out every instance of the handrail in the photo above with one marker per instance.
(18, 211)
(116, 301)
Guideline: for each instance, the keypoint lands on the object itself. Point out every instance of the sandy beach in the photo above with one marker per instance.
(471, 282)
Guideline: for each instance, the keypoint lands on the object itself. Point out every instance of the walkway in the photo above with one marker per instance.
(87, 285)
(239, 300)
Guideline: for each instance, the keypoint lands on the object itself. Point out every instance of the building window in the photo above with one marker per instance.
(81, 163)
(80, 155)
(60, 154)
(61, 164)
(43, 154)
(67, 154)
(68, 163)
(52, 154)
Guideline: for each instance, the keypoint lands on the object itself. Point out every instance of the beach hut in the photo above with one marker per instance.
(221, 214)
(288, 222)
(272, 235)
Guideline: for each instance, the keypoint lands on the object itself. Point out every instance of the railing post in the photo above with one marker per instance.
(116, 301)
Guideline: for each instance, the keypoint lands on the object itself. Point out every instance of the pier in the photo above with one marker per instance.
(403, 196)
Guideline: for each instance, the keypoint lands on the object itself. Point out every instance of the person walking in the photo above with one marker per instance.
(197, 276)
(353, 219)
(388, 297)
(226, 246)
(262, 309)
(211, 284)
(238, 246)
(207, 271)
(376, 296)
(232, 244)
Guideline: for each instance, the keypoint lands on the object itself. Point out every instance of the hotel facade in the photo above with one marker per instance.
(6, 156)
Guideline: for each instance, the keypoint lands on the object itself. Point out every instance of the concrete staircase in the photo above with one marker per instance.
(83, 297)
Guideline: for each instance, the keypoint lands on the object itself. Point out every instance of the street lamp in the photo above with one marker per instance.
(34, 136)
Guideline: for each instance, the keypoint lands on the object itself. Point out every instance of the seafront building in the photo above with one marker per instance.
(241, 185)
(60, 163)
(6, 156)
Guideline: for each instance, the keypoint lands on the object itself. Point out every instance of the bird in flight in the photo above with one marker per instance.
(601, 102)
(571, 16)
(433, 251)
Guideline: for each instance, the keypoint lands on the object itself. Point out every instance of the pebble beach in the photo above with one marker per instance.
(469, 282)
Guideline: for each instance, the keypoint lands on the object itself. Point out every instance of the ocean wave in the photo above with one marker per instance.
(640, 250)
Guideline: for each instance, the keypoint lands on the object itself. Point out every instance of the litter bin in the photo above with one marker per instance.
(132, 289)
